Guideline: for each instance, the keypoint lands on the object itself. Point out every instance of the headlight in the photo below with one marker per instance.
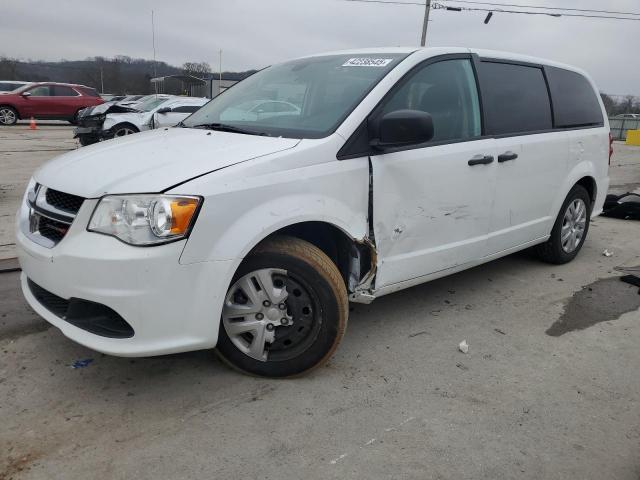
(145, 219)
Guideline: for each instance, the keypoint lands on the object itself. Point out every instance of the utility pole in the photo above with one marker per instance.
(220, 70)
(153, 39)
(427, 8)
(101, 81)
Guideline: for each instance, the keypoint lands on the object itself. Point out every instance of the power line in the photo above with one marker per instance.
(553, 13)
(546, 8)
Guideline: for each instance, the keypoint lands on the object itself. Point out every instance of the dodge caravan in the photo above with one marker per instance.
(251, 234)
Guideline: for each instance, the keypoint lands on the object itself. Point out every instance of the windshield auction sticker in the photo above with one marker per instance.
(367, 62)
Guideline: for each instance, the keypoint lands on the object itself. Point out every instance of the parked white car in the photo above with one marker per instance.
(117, 120)
(398, 166)
(7, 86)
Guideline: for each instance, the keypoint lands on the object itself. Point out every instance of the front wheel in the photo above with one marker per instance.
(285, 312)
(570, 229)
(123, 130)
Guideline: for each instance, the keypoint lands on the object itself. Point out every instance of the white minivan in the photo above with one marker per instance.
(396, 166)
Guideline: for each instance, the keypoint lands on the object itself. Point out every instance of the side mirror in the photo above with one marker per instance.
(25, 94)
(164, 110)
(400, 128)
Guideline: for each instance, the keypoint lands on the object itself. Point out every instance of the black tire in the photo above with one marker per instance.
(306, 265)
(118, 130)
(87, 140)
(551, 251)
(8, 115)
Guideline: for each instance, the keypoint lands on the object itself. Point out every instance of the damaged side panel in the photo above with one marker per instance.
(431, 209)
(362, 271)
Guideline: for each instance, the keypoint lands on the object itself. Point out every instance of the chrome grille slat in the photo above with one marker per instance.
(50, 215)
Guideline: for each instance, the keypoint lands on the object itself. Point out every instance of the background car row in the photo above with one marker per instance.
(46, 100)
(117, 119)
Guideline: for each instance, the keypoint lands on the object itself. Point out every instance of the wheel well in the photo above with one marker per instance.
(354, 258)
(12, 108)
(122, 124)
(590, 186)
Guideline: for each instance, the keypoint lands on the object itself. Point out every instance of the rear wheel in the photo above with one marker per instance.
(8, 116)
(570, 229)
(285, 312)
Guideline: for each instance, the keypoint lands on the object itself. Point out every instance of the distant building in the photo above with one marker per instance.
(190, 85)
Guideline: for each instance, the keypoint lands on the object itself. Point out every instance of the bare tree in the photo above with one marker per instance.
(8, 68)
(196, 69)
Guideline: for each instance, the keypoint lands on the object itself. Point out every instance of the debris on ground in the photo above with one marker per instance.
(463, 347)
(625, 206)
(607, 253)
(82, 363)
(462, 366)
(423, 332)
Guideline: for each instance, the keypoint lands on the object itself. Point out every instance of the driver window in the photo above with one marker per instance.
(41, 91)
(447, 91)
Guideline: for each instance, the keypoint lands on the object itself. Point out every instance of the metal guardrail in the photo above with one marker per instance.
(620, 126)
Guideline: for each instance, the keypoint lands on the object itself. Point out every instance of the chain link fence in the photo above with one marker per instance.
(620, 127)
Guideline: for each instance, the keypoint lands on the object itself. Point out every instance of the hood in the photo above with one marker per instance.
(139, 119)
(107, 107)
(152, 161)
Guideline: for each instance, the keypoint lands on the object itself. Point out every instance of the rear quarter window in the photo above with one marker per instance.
(574, 100)
(515, 98)
(62, 91)
(88, 91)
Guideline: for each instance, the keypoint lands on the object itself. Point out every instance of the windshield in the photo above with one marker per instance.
(306, 98)
(150, 103)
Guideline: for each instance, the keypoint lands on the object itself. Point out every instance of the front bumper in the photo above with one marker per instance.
(93, 132)
(171, 307)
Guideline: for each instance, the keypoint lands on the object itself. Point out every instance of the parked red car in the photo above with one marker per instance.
(47, 100)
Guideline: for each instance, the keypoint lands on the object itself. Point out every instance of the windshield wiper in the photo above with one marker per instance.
(223, 127)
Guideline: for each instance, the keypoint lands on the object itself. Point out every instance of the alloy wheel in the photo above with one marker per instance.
(573, 225)
(7, 116)
(121, 132)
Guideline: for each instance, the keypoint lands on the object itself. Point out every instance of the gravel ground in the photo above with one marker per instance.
(549, 389)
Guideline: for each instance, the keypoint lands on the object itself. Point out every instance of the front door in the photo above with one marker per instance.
(39, 102)
(432, 204)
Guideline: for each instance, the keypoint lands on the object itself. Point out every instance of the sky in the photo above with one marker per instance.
(257, 33)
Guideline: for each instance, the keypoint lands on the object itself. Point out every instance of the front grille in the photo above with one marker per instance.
(50, 215)
(93, 317)
(63, 201)
(93, 122)
(51, 229)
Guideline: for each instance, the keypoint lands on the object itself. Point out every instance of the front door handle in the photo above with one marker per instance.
(506, 156)
(481, 160)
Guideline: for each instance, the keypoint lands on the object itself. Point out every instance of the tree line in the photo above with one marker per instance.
(125, 75)
(617, 105)
(118, 75)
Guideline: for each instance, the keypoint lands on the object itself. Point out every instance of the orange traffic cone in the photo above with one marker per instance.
(32, 124)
